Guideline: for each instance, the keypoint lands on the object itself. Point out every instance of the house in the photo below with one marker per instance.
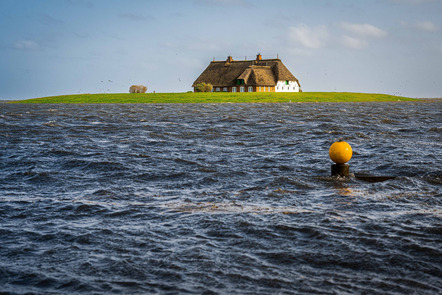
(259, 75)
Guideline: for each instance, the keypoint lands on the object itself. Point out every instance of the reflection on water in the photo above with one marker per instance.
(346, 192)
(231, 208)
(219, 198)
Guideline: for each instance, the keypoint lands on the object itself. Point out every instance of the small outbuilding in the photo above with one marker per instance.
(259, 75)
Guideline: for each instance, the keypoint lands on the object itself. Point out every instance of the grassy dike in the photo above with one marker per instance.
(268, 97)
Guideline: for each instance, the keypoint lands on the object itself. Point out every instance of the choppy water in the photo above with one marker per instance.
(226, 198)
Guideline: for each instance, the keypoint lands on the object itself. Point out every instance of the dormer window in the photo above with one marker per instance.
(240, 82)
(286, 82)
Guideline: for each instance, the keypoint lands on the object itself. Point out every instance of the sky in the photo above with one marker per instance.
(55, 47)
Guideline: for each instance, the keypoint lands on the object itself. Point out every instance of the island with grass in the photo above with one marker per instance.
(219, 97)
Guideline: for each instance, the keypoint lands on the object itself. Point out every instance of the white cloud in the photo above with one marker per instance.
(426, 26)
(364, 30)
(26, 45)
(353, 43)
(310, 37)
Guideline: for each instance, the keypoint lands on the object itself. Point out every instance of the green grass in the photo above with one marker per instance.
(269, 97)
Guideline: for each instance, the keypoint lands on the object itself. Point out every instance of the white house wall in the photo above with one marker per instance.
(281, 86)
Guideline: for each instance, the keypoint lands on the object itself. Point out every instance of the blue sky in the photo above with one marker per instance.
(53, 47)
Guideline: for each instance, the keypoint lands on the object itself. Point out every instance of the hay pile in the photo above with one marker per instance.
(137, 89)
(204, 87)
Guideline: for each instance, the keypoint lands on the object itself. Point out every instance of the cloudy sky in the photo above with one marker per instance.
(52, 47)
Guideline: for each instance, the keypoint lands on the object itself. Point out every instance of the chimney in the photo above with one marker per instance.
(229, 58)
(259, 57)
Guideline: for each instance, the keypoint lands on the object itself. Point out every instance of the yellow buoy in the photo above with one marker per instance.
(340, 152)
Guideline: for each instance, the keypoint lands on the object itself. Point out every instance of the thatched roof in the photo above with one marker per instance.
(265, 72)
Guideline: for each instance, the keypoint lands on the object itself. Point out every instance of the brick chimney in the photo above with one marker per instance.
(259, 57)
(229, 58)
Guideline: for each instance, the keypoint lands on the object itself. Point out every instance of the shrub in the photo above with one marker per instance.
(203, 87)
(137, 89)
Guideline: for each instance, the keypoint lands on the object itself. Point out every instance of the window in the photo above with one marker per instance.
(241, 89)
(225, 89)
(233, 89)
(286, 82)
(217, 89)
(259, 88)
(264, 89)
(250, 89)
(240, 82)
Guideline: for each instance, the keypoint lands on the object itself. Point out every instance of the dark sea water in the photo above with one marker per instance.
(219, 199)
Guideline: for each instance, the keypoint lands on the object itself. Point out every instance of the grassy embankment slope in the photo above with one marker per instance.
(268, 97)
